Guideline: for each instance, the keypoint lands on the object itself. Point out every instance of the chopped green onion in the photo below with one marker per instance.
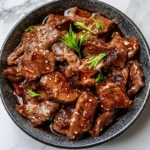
(94, 61)
(70, 40)
(100, 77)
(29, 28)
(33, 94)
(52, 117)
(83, 26)
(98, 25)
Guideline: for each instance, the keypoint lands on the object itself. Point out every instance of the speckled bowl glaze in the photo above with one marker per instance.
(36, 17)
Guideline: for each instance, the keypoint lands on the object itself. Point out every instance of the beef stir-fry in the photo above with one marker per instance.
(75, 73)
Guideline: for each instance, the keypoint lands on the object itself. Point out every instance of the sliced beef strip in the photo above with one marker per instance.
(105, 22)
(76, 14)
(61, 53)
(86, 79)
(54, 21)
(118, 43)
(42, 36)
(88, 20)
(101, 122)
(13, 74)
(132, 46)
(136, 77)
(62, 118)
(94, 46)
(36, 63)
(111, 96)
(119, 76)
(36, 112)
(57, 88)
(83, 115)
(18, 89)
(27, 98)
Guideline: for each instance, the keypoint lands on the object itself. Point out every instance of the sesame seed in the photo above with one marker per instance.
(90, 100)
(81, 125)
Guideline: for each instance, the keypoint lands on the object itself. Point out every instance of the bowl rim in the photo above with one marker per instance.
(97, 142)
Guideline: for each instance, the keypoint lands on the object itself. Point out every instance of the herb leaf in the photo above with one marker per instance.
(70, 40)
(94, 61)
(33, 94)
(98, 25)
(29, 28)
(83, 26)
(100, 77)
(52, 117)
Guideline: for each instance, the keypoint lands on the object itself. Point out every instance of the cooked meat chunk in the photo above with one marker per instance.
(62, 118)
(89, 22)
(37, 112)
(57, 88)
(111, 96)
(18, 89)
(62, 52)
(55, 21)
(76, 14)
(94, 46)
(101, 122)
(86, 79)
(135, 78)
(132, 46)
(83, 115)
(36, 63)
(105, 22)
(13, 74)
(59, 50)
(119, 76)
(118, 43)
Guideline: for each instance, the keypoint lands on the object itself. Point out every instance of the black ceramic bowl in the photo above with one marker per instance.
(36, 17)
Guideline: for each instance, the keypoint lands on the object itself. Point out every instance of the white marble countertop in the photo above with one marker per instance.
(135, 138)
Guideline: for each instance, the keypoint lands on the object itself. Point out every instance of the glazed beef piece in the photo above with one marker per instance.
(59, 50)
(87, 78)
(89, 22)
(36, 112)
(55, 21)
(101, 122)
(41, 36)
(94, 46)
(76, 14)
(118, 43)
(62, 118)
(111, 96)
(57, 88)
(105, 22)
(13, 74)
(83, 115)
(36, 63)
(132, 46)
(136, 77)
(119, 76)
(61, 53)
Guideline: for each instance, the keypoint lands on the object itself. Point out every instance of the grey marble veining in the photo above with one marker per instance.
(12, 138)
(139, 12)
